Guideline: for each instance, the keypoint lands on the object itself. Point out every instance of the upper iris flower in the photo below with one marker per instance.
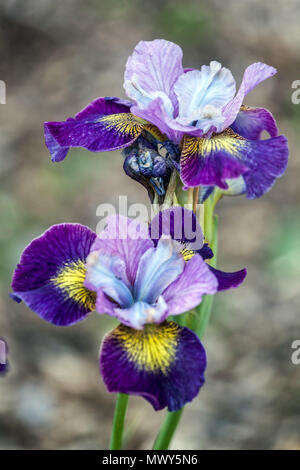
(198, 111)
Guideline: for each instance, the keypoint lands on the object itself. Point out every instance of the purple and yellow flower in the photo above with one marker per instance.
(197, 111)
(148, 355)
(140, 275)
(50, 275)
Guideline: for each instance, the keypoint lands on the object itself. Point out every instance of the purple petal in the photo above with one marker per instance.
(229, 280)
(251, 122)
(108, 133)
(164, 364)
(51, 273)
(152, 70)
(212, 161)
(180, 223)
(156, 114)
(127, 238)
(267, 161)
(253, 76)
(206, 252)
(103, 107)
(84, 130)
(57, 152)
(186, 292)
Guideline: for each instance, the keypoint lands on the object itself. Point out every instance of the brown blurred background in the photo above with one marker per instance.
(55, 58)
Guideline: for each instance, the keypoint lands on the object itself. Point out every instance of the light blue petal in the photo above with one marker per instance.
(141, 313)
(213, 85)
(158, 268)
(236, 186)
(143, 97)
(109, 274)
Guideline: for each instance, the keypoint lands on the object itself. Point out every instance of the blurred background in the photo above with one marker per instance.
(55, 58)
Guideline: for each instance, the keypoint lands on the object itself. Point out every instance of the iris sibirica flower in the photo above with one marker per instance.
(196, 113)
(181, 129)
(140, 275)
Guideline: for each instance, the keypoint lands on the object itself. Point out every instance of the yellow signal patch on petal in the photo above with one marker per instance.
(228, 141)
(70, 280)
(127, 124)
(124, 124)
(152, 349)
(187, 254)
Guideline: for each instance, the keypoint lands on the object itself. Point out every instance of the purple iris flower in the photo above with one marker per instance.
(68, 272)
(140, 275)
(197, 111)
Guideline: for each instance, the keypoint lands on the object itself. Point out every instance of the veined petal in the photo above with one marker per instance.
(212, 161)
(253, 76)
(267, 161)
(57, 152)
(157, 269)
(91, 113)
(151, 72)
(180, 223)
(156, 114)
(186, 292)
(164, 364)
(108, 273)
(141, 313)
(107, 133)
(103, 106)
(51, 273)
(251, 122)
(125, 237)
(229, 280)
(213, 85)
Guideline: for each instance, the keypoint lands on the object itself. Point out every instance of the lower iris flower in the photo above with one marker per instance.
(129, 273)
(68, 272)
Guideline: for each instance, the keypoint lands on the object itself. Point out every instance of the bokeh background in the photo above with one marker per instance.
(55, 58)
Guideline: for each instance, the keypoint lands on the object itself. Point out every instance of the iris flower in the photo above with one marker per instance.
(140, 275)
(197, 112)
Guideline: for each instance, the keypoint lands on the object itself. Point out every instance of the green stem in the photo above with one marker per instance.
(167, 430)
(118, 424)
(171, 421)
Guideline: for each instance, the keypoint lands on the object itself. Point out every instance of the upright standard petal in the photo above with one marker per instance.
(164, 364)
(158, 268)
(253, 76)
(151, 72)
(127, 238)
(181, 224)
(186, 292)
(213, 161)
(107, 273)
(51, 273)
(202, 94)
(251, 122)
